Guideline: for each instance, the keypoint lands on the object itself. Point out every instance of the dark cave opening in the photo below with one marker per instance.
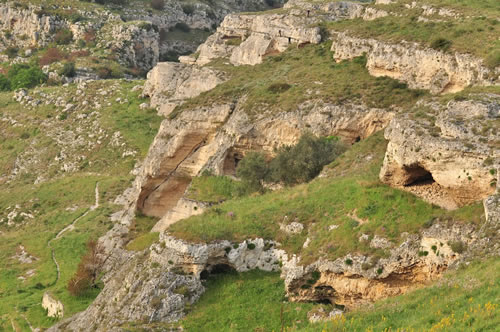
(417, 175)
(216, 269)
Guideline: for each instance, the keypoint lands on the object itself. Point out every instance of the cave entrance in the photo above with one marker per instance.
(231, 162)
(417, 175)
(216, 269)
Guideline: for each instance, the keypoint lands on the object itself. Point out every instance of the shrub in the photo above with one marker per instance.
(253, 170)
(4, 83)
(52, 55)
(11, 52)
(158, 4)
(304, 161)
(441, 44)
(63, 37)
(458, 246)
(68, 70)
(182, 27)
(348, 261)
(86, 275)
(188, 9)
(25, 76)
(104, 72)
(251, 246)
(278, 87)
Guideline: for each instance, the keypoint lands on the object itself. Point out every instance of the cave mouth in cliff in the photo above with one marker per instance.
(417, 175)
(231, 162)
(216, 269)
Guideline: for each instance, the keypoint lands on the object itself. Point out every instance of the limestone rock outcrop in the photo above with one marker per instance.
(421, 68)
(247, 39)
(137, 44)
(446, 154)
(53, 306)
(169, 84)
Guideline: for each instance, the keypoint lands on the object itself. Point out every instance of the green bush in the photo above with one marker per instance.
(11, 52)
(25, 76)
(181, 26)
(304, 161)
(441, 44)
(4, 83)
(68, 70)
(188, 9)
(458, 247)
(253, 170)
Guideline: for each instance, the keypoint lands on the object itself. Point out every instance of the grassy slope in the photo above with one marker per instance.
(476, 34)
(352, 187)
(464, 300)
(50, 200)
(310, 72)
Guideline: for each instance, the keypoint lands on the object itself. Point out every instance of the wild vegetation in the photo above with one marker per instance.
(347, 81)
(475, 34)
(350, 195)
(61, 198)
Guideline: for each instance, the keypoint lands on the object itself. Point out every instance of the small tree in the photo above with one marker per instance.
(305, 160)
(87, 273)
(252, 170)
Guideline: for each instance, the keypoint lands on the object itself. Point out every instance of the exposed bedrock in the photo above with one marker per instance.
(247, 39)
(449, 155)
(169, 84)
(421, 68)
(156, 285)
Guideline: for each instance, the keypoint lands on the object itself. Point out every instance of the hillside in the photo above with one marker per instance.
(307, 166)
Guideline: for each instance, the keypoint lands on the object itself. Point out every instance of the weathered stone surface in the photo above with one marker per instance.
(421, 68)
(170, 83)
(137, 44)
(442, 159)
(53, 306)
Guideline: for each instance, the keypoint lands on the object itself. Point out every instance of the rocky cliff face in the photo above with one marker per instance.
(247, 39)
(421, 68)
(446, 154)
(155, 286)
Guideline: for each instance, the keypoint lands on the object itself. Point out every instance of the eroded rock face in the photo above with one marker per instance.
(246, 39)
(448, 156)
(39, 29)
(154, 286)
(138, 291)
(421, 68)
(169, 84)
(419, 259)
(138, 45)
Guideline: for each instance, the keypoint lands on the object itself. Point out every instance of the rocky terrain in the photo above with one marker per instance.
(414, 196)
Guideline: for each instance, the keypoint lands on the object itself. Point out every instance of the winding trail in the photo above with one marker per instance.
(68, 228)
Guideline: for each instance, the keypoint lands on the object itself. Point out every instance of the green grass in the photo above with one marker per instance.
(465, 300)
(352, 188)
(143, 241)
(214, 189)
(249, 301)
(50, 200)
(475, 35)
(310, 71)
